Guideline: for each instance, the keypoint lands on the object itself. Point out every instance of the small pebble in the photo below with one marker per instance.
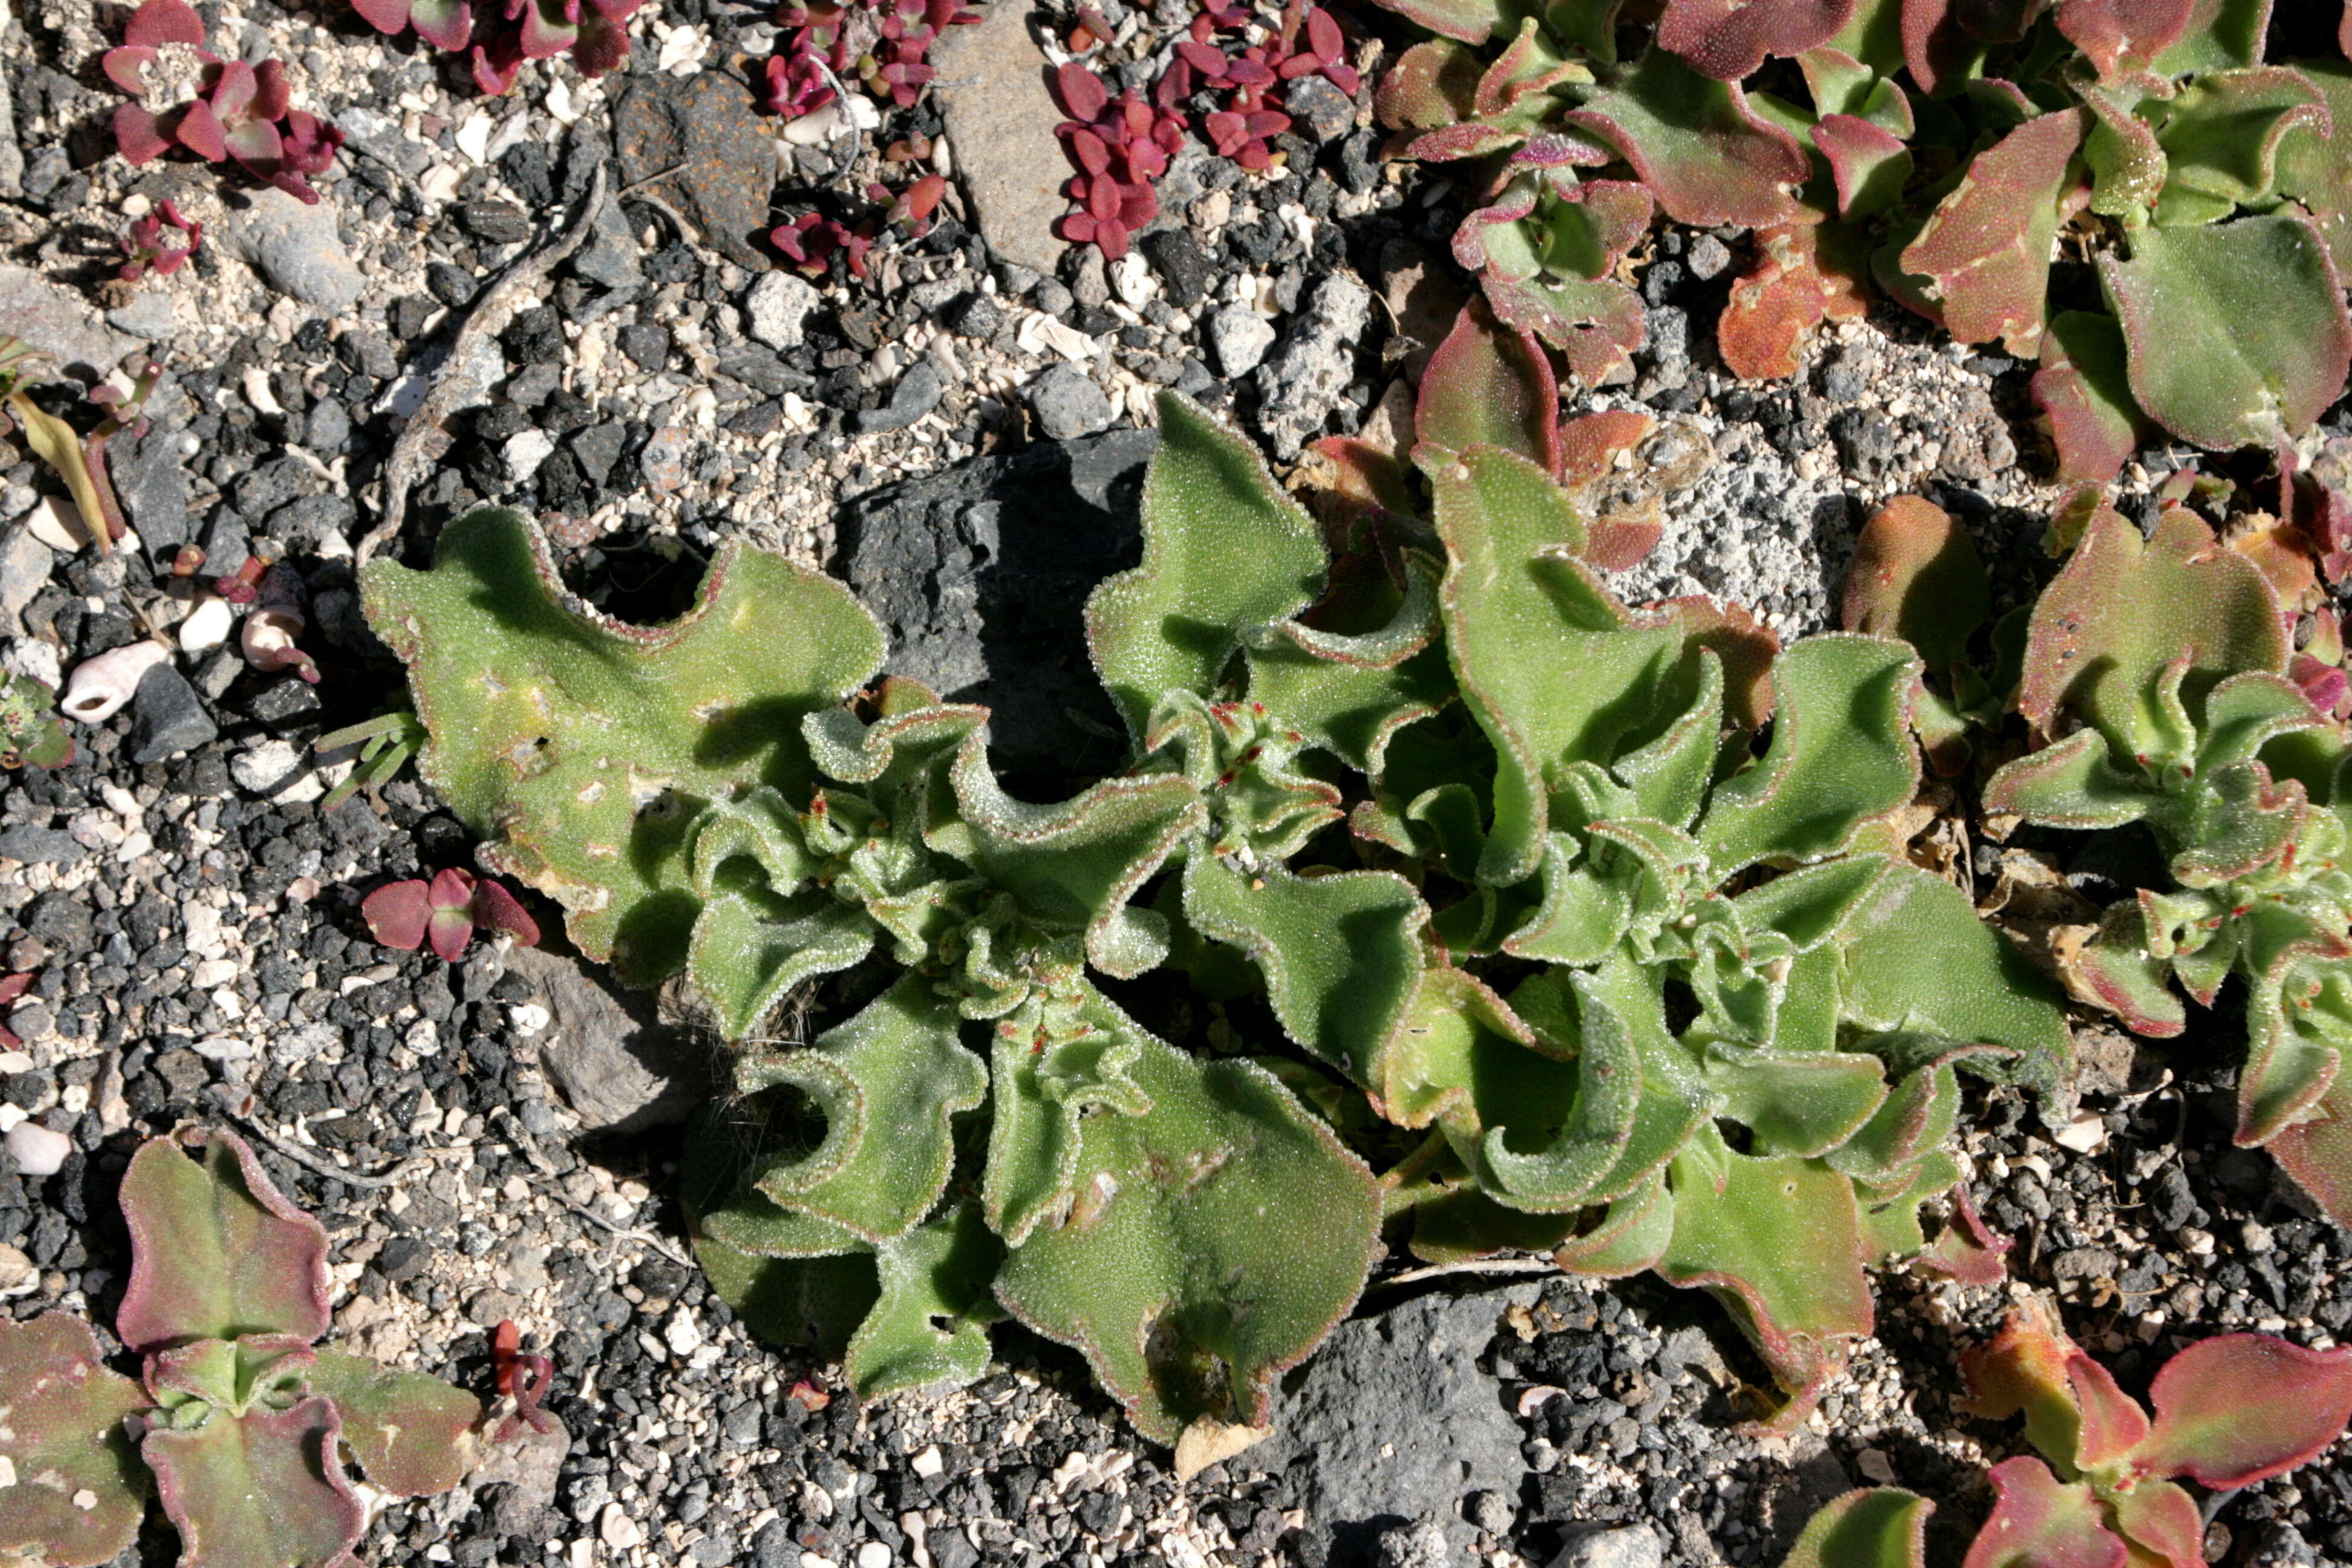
(37, 1150)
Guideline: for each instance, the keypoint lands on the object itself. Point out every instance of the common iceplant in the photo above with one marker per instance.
(1585, 921)
(240, 1424)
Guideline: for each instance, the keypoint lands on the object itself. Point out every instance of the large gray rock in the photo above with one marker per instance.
(60, 322)
(605, 1050)
(152, 485)
(705, 128)
(294, 246)
(1393, 1425)
(979, 573)
(1301, 385)
(1000, 123)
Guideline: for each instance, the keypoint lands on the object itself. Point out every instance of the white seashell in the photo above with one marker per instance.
(207, 626)
(269, 640)
(100, 686)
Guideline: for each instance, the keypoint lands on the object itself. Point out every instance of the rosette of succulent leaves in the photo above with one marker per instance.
(1586, 923)
(240, 1425)
(2155, 669)
(2132, 194)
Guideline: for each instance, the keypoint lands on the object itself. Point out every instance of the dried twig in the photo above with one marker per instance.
(1475, 1266)
(490, 317)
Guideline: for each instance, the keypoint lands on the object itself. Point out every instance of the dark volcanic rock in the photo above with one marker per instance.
(166, 717)
(980, 573)
(708, 124)
(1394, 1425)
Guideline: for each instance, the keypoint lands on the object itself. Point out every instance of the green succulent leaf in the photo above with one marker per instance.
(1840, 754)
(1180, 1269)
(1702, 151)
(2314, 161)
(1057, 1062)
(263, 1486)
(930, 1325)
(1870, 1527)
(2236, 334)
(888, 1082)
(217, 1250)
(2221, 135)
(1779, 1239)
(411, 1432)
(749, 952)
(580, 747)
(64, 1436)
(1341, 953)
(1224, 550)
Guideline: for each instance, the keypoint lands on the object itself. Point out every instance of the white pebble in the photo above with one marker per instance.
(207, 626)
(874, 1554)
(684, 1335)
(37, 1150)
(618, 1531)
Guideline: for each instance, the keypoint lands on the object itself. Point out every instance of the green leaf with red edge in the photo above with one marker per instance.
(1520, 611)
(2161, 1518)
(1916, 575)
(2122, 35)
(1779, 1241)
(2242, 1408)
(2084, 390)
(1597, 323)
(2318, 1150)
(411, 1432)
(1181, 1271)
(2314, 161)
(1870, 1527)
(2236, 332)
(583, 748)
(1225, 549)
(2221, 34)
(1868, 163)
(2126, 160)
(1804, 273)
(64, 1434)
(1728, 40)
(2038, 1522)
(2123, 609)
(1700, 150)
(2072, 784)
(1487, 386)
(1433, 85)
(260, 1487)
(216, 1251)
(2221, 135)
(1471, 21)
(2075, 1413)
(1986, 248)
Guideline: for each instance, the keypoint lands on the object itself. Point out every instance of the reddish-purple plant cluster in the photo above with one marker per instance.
(500, 35)
(810, 241)
(448, 912)
(237, 112)
(885, 44)
(1121, 146)
(147, 249)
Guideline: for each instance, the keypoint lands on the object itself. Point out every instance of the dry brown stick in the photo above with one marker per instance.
(490, 317)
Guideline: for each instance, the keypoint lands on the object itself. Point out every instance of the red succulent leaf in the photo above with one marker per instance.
(1969, 1250)
(1247, 71)
(1728, 40)
(1804, 274)
(2038, 1523)
(497, 64)
(1226, 132)
(396, 913)
(1209, 60)
(2128, 34)
(1137, 207)
(1081, 91)
(1323, 36)
(1344, 76)
(2242, 1408)
(164, 22)
(1485, 386)
(1145, 160)
(1110, 239)
(1987, 247)
(603, 41)
(445, 24)
(2159, 1518)
(1077, 228)
(1297, 66)
(1175, 86)
(197, 128)
(1086, 149)
(548, 28)
(257, 148)
(139, 134)
(230, 89)
(386, 16)
(272, 96)
(126, 68)
(2324, 686)
(1102, 199)
(450, 931)
(310, 142)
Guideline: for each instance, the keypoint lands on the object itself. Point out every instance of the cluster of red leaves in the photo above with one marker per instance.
(407, 914)
(507, 32)
(885, 44)
(147, 248)
(811, 240)
(240, 113)
(1121, 147)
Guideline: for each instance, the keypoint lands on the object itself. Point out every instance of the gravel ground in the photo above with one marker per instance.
(498, 1139)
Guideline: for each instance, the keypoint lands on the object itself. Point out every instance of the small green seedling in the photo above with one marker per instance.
(240, 1424)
